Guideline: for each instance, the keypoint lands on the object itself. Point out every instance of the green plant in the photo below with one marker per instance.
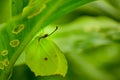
(21, 20)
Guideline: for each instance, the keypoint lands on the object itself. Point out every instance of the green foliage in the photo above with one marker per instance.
(91, 45)
(24, 21)
(53, 77)
(22, 72)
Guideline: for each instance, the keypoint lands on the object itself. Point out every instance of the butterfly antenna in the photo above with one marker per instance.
(53, 31)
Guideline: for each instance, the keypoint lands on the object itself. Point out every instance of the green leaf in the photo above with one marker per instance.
(53, 77)
(22, 72)
(17, 33)
(89, 46)
(17, 6)
(5, 11)
(45, 59)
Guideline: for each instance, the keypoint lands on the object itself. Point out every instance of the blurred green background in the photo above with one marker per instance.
(90, 39)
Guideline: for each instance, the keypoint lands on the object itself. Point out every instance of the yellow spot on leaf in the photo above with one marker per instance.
(18, 29)
(1, 65)
(6, 62)
(14, 43)
(4, 52)
(37, 12)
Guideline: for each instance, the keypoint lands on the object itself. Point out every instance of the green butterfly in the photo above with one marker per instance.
(44, 58)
